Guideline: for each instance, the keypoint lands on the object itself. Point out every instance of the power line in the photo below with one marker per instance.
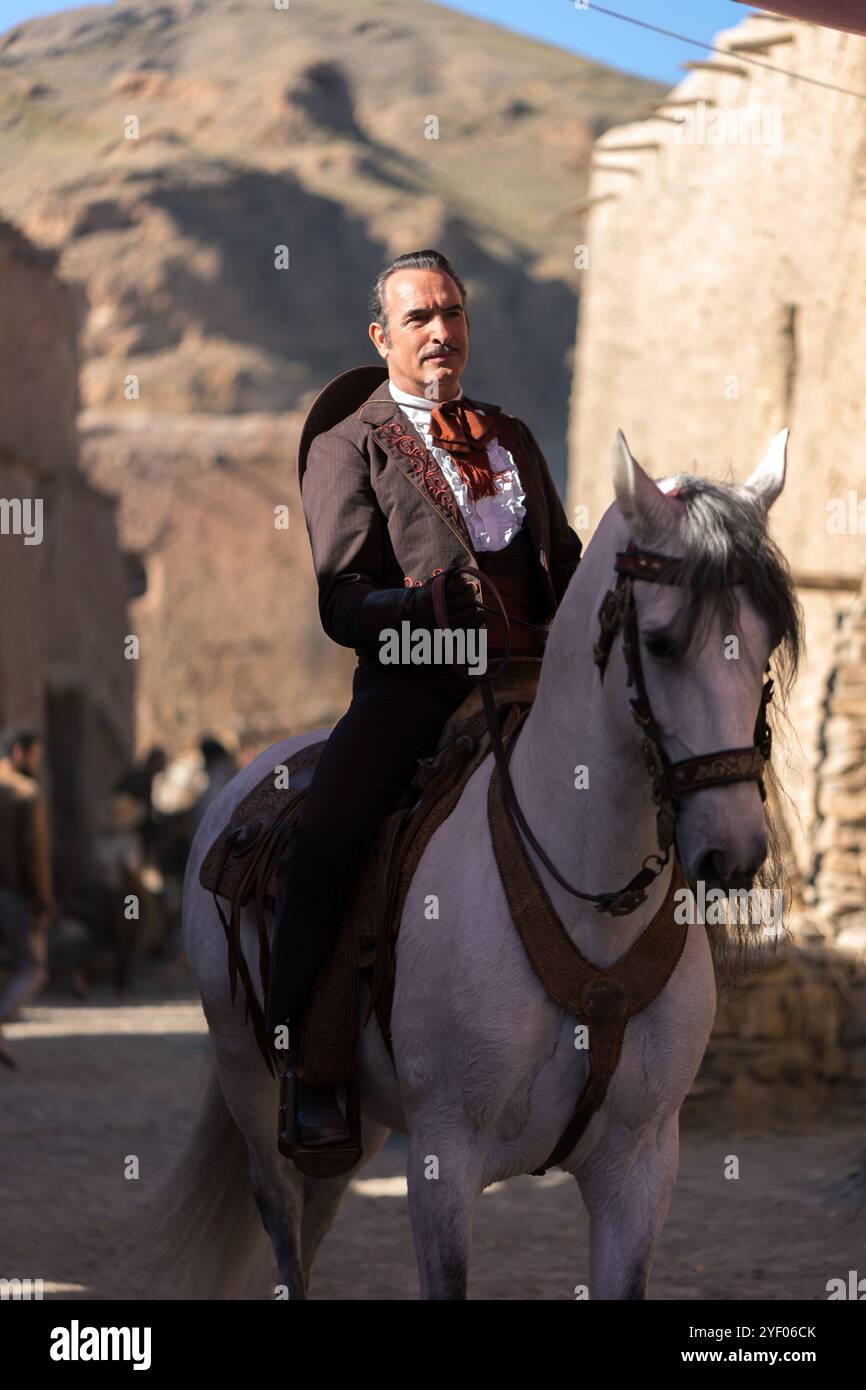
(725, 52)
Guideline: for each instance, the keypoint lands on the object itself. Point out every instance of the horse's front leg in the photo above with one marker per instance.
(443, 1184)
(627, 1184)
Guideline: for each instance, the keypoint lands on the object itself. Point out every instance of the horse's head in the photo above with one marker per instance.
(706, 640)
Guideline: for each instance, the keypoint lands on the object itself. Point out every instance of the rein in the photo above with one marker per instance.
(670, 781)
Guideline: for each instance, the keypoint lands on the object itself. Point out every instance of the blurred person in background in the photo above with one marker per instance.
(26, 887)
(120, 903)
(137, 782)
(220, 766)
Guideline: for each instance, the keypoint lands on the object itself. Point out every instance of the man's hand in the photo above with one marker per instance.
(463, 598)
(387, 608)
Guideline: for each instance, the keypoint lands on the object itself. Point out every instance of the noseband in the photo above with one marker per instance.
(670, 781)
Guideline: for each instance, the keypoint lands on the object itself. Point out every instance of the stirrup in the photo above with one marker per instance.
(287, 1124)
(289, 1141)
(323, 1160)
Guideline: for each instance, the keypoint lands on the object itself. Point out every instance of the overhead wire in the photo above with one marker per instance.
(723, 52)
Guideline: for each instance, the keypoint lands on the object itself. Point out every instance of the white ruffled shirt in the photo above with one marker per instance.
(491, 521)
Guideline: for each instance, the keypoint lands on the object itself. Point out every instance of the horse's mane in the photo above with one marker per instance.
(723, 532)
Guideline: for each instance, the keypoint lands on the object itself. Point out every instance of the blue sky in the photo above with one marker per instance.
(614, 41)
(611, 41)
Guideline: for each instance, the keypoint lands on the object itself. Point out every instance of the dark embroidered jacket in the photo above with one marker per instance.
(380, 513)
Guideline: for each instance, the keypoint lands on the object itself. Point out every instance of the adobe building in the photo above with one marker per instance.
(224, 599)
(63, 578)
(723, 299)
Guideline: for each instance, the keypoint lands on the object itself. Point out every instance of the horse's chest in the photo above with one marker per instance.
(542, 1094)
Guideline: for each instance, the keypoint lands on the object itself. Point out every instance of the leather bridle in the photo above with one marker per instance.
(670, 780)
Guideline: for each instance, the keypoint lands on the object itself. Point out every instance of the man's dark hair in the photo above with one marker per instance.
(18, 737)
(413, 260)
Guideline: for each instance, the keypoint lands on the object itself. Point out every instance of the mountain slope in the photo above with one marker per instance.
(305, 128)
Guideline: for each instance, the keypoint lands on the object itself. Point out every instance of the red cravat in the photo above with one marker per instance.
(464, 434)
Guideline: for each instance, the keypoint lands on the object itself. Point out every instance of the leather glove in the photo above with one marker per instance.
(463, 598)
(383, 608)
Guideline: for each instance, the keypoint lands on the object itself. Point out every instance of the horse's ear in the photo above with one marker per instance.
(639, 498)
(768, 479)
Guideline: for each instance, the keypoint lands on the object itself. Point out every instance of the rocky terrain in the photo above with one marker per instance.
(169, 150)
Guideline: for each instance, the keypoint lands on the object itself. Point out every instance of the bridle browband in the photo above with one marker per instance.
(670, 781)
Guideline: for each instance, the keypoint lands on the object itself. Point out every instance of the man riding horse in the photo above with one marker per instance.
(415, 480)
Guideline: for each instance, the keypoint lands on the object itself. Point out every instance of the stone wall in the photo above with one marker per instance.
(226, 613)
(789, 1037)
(724, 299)
(838, 876)
(63, 615)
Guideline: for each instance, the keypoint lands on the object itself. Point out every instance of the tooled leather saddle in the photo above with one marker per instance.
(240, 871)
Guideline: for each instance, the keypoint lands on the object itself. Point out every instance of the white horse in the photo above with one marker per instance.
(487, 1071)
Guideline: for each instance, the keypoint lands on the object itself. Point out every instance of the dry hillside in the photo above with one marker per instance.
(305, 128)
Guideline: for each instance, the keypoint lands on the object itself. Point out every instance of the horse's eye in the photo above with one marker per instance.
(658, 644)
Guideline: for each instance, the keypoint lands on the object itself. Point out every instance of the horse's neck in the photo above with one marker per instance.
(597, 836)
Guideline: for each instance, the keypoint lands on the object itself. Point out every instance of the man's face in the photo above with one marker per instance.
(426, 340)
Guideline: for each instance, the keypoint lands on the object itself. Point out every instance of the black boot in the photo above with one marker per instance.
(309, 1115)
(319, 1117)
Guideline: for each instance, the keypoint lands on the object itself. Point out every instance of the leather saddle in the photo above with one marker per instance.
(240, 870)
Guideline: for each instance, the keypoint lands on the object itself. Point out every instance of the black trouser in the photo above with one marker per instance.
(396, 716)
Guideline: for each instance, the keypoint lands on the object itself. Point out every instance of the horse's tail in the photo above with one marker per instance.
(203, 1231)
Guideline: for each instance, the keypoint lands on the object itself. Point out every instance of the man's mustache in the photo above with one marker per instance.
(438, 352)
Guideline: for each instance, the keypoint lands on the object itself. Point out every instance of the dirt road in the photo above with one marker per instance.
(98, 1083)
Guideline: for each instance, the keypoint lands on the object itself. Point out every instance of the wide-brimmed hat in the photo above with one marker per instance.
(335, 401)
